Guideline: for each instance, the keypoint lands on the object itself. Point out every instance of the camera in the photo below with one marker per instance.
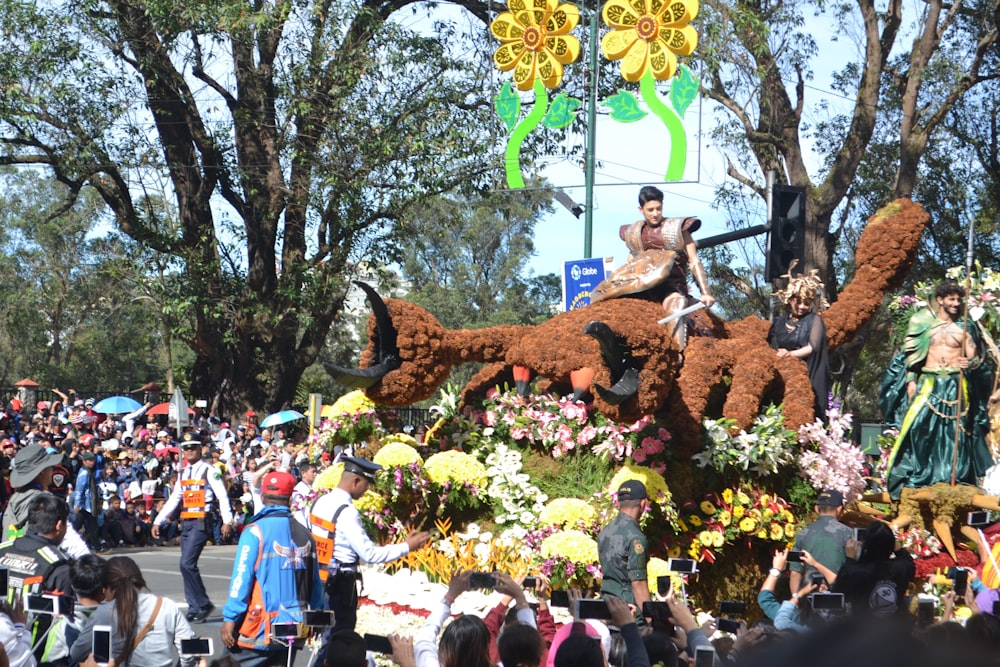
(732, 608)
(101, 646)
(317, 618)
(482, 580)
(961, 579)
(4, 582)
(286, 631)
(530, 583)
(559, 599)
(827, 601)
(683, 565)
(656, 610)
(979, 518)
(704, 657)
(794, 557)
(925, 613)
(816, 578)
(597, 609)
(663, 584)
(378, 644)
(727, 625)
(197, 646)
(57, 605)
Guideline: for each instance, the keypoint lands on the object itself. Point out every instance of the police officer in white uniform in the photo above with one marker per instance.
(202, 496)
(336, 522)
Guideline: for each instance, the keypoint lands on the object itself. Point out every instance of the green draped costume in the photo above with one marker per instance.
(923, 452)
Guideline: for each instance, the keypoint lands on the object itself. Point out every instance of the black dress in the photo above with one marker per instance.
(795, 334)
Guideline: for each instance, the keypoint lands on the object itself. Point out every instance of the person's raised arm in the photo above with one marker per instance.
(697, 270)
(827, 573)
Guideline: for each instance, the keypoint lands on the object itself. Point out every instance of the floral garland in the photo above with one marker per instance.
(569, 513)
(737, 514)
(354, 419)
(458, 479)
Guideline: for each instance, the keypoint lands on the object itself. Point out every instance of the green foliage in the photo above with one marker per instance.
(625, 107)
(561, 112)
(576, 475)
(683, 90)
(508, 105)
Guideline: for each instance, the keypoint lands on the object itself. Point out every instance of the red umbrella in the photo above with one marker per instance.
(163, 409)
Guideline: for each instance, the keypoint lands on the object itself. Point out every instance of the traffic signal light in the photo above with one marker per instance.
(787, 240)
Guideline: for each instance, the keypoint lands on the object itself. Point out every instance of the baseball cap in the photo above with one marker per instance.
(830, 498)
(163, 434)
(88, 456)
(633, 489)
(278, 484)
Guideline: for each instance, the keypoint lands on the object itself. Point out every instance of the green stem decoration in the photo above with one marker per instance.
(512, 156)
(678, 137)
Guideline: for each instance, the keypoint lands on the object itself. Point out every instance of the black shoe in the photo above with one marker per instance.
(201, 615)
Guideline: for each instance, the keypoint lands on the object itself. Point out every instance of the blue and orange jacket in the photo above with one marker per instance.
(275, 578)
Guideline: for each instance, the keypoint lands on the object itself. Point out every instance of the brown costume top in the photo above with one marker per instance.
(657, 263)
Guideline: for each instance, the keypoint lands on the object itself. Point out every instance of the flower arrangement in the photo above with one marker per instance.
(569, 559)
(474, 549)
(516, 501)
(458, 478)
(830, 459)
(767, 448)
(569, 513)
(562, 425)
(735, 515)
(354, 420)
(919, 542)
(396, 454)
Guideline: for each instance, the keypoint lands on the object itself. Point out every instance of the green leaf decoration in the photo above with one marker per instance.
(683, 90)
(562, 111)
(624, 107)
(508, 105)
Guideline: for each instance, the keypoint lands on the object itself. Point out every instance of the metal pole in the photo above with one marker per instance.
(588, 220)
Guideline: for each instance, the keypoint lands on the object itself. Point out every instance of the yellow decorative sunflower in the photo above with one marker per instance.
(742, 498)
(370, 501)
(789, 532)
(727, 496)
(536, 41)
(777, 532)
(748, 525)
(707, 508)
(455, 466)
(705, 537)
(725, 518)
(718, 539)
(695, 520)
(648, 35)
(739, 511)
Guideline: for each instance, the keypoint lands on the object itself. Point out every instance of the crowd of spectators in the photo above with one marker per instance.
(118, 470)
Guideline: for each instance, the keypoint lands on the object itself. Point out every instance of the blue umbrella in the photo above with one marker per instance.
(117, 405)
(281, 417)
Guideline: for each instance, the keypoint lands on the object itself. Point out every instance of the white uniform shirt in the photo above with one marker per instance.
(214, 490)
(351, 542)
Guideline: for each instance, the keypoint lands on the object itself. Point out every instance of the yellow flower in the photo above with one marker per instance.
(656, 486)
(648, 35)
(762, 533)
(656, 568)
(768, 515)
(567, 512)
(455, 466)
(683, 527)
(718, 539)
(536, 41)
(765, 500)
(695, 520)
(352, 404)
(777, 532)
(707, 508)
(748, 525)
(725, 518)
(738, 512)
(789, 532)
(329, 478)
(727, 496)
(788, 516)
(396, 455)
(694, 550)
(705, 537)
(743, 498)
(674, 552)
(370, 501)
(572, 545)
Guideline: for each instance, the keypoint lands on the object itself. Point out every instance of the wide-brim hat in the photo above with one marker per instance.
(29, 462)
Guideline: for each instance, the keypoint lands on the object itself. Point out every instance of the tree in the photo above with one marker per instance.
(289, 137)
(70, 313)
(751, 48)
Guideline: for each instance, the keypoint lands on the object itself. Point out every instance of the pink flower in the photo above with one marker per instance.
(586, 435)
(490, 418)
(639, 456)
(663, 434)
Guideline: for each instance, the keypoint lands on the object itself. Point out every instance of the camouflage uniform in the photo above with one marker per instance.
(623, 551)
(825, 539)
